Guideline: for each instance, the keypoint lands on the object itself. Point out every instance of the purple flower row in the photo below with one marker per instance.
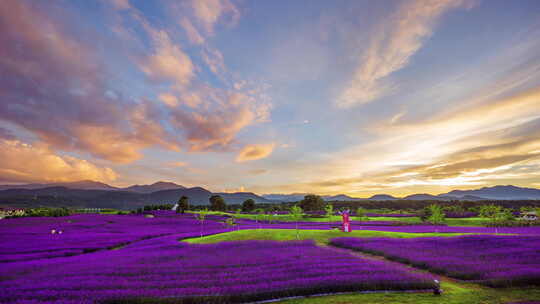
(221, 273)
(491, 260)
(32, 238)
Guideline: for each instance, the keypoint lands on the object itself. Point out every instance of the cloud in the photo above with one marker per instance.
(169, 62)
(120, 4)
(209, 12)
(55, 88)
(234, 190)
(254, 152)
(394, 42)
(258, 171)
(168, 99)
(74, 111)
(6, 134)
(192, 33)
(178, 164)
(494, 142)
(20, 162)
(200, 17)
(60, 92)
(214, 123)
(214, 60)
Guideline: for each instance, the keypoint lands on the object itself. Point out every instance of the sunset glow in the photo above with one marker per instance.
(326, 97)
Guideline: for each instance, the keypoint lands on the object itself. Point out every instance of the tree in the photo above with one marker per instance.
(502, 217)
(489, 211)
(248, 205)
(201, 215)
(329, 209)
(217, 203)
(258, 213)
(360, 212)
(183, 204)
(424, 214)
(312, 202)
(296, 214)
(437, 215)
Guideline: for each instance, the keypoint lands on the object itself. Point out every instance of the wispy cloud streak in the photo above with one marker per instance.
(393, 44)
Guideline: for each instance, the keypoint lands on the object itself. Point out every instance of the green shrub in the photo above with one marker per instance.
(437, 215)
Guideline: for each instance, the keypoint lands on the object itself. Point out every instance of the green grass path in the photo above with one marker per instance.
(320, 236)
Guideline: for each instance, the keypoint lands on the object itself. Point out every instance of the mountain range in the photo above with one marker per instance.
(93, 185)
(93, 194)
(508, 192)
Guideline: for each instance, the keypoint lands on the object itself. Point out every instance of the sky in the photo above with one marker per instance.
(327, 97)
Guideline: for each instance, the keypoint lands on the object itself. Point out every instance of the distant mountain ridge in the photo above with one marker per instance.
(499, 192)
(382, 197)
(294, 197)
(84, 184)
(96, 194)
(495, 193)
(158, 186)
(93, 185)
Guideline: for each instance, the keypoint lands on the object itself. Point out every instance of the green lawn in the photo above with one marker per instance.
(470, 221)
(454, 293)
(320, 236)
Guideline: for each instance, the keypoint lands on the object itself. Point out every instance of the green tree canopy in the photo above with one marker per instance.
(248, 205)
(437, 214)
(490, 210)
(312, 202)
(217, 203)
(183, 204)
(329, 210)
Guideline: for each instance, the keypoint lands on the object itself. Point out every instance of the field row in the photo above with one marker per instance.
(230, 272)
(497, 261)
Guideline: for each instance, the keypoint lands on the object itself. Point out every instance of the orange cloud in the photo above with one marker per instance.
(77, 110)
(258, 171)
(178, 164)
(20, 162)
(169, 99)
(213, 125)
(169, 62)
(254, 152)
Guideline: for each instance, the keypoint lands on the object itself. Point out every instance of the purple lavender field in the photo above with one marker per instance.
(163, 268)
(28, 238)
(497, 261)
(110, 258)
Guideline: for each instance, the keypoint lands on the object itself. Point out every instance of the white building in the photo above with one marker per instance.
(529, 216)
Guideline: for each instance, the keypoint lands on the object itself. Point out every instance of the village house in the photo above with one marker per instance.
(4, 212)
(529, 216)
